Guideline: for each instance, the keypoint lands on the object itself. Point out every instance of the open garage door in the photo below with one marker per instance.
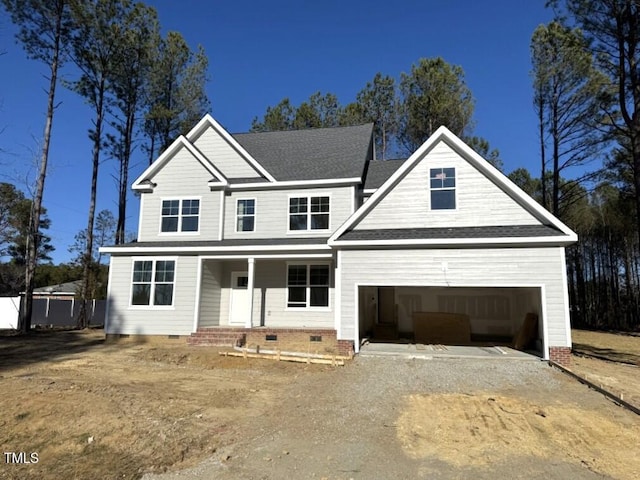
(482, 316)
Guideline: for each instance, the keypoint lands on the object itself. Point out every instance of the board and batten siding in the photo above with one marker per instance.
(176, 320)
(474, 267)
(270, 297)
(223, 155)
(479, 202)
(182, 177)
(272, 211)
(209, 314)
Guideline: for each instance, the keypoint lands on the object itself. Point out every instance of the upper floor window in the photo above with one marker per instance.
(152, 282)
(180, 215)
(309, 213)
(246, 215)
(443, 188)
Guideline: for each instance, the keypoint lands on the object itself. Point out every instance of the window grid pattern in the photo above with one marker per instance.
(153, 282)
(180, 216)
(442, 182)
(308, 286)
(309, 213)
(246, 215)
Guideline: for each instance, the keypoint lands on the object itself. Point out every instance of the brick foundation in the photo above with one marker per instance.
(304, 340)
(155, 339)
(345, 348)
(561, 355)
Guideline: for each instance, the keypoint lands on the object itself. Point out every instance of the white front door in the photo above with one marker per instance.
(239, 302)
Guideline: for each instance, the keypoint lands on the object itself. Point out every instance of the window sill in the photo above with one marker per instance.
(309, 232)
(151, 307)
(308, 309)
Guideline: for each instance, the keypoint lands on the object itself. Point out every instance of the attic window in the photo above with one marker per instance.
(442, 182)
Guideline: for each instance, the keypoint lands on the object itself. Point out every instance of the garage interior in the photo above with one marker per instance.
(456, 316)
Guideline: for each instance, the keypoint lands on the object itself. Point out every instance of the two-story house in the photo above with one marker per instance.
(303, 234)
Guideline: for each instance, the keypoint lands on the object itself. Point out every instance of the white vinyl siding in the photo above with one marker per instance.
(272, 218)
(133, 320)
(504, 267)
(210, 294)
(225, 158)
(479, 202)
(182, 177)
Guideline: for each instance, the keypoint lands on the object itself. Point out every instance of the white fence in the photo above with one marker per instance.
(9, 309)
(48, 312)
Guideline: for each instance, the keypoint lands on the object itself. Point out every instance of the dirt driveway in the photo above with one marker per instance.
(91, 410)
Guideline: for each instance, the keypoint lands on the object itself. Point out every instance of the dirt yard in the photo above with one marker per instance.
(610, 360)
(93, 410)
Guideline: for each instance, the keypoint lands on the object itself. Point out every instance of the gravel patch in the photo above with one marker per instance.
(341, 423)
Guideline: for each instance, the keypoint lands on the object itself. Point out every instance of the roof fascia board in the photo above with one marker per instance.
(547, 240)
(296, 183)
(208, 120)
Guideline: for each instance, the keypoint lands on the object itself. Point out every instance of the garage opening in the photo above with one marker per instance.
(468, 316)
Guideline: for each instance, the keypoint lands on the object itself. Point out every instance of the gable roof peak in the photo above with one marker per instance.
(443, 134)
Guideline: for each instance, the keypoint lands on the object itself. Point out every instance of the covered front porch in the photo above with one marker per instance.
(265, 291)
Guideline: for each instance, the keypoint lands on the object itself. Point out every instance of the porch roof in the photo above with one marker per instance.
(503, 231)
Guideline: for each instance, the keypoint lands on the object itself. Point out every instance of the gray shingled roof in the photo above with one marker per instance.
(451, 233)
(379, 171)
(312, 154)
(68, 287)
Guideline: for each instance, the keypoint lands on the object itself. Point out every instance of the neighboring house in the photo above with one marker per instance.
(60, 291)
(56, 306)
(303, 235)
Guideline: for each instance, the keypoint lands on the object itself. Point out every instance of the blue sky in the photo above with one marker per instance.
(260, 52)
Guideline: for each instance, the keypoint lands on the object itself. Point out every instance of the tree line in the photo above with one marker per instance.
(404, 113)
(144, 89)
(586, 85)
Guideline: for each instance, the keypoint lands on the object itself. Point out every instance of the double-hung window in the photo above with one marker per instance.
(180, 215)
(307, 285)
(246, 215)
(153, 282)
(308, 213)
(443, 188)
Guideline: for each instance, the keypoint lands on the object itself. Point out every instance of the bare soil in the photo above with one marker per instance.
(610, 360)
(91, 409)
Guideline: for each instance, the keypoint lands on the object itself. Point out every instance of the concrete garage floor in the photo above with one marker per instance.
(412, 350)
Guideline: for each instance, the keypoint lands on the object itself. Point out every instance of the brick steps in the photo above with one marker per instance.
(218, 337)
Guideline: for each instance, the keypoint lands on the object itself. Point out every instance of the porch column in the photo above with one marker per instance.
(250, 273)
